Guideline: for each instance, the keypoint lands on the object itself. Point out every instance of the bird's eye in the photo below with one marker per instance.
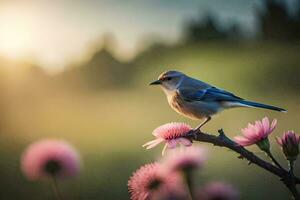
(169, 78)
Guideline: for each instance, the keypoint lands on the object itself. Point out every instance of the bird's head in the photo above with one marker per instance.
(169, 80)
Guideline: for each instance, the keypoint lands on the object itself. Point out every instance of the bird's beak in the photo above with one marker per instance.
(157, 82)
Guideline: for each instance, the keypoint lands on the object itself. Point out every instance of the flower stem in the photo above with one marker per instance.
(189, 183)
(291, 164)
(273, 159)
(292, 177)
(55, 188)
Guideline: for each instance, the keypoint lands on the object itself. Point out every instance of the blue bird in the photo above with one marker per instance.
(198, 100)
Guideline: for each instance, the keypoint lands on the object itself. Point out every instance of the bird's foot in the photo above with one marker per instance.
(197, 130)
(195, 133)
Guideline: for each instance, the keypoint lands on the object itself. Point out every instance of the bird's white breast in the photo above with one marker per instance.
(191, 109)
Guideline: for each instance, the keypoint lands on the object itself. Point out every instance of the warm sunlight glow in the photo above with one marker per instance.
(56, 34)
(17, 33)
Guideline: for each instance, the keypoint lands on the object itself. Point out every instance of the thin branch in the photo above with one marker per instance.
(223, 141)
(292, 178)
(274, 160)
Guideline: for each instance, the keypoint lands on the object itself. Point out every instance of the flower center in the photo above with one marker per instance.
(154, 184)
(52, 167)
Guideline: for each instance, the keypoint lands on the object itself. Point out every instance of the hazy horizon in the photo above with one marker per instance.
(53, 34)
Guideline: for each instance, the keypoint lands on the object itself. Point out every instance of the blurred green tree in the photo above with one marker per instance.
(276, 22)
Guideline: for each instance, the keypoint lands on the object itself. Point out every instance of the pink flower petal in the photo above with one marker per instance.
(273, 125)
(164, 149)
(170, 133)
(265, 124)
(153, 143)
(38, 154)
(178, 160)
(149, 143)
(184, 141)
(288, 138)
(171, 144)
(279, 141)
(252, 134)
(218, 190)
(242, 141)
(140, 183)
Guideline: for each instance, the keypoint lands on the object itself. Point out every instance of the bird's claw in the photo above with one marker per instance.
(197, 130)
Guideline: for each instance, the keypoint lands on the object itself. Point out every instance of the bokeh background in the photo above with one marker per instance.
(79, 70)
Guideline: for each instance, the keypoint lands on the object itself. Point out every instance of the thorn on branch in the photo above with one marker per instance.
(249, 162)
(221, 133)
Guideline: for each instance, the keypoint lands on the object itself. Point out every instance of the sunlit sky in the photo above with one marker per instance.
(55, 33)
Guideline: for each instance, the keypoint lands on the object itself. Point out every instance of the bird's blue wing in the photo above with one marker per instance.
(209, 94)
(220, 95)
(191, 94)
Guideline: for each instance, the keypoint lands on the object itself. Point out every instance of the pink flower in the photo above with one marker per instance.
(290, 144)
(288, 137)
(218, 190)
(172, 134)
(256, 133)
(149, 182)
(50, 158)
(184, 160)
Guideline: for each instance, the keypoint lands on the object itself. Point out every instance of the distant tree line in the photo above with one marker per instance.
(275, 22)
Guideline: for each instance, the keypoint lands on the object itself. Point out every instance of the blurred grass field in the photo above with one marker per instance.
(108, 127)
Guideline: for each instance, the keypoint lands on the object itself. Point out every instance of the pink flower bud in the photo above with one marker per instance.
(290, 144)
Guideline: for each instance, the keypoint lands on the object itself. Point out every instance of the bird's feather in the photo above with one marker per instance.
(209, 94)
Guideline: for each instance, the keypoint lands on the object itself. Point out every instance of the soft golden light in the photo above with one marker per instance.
(16, 32)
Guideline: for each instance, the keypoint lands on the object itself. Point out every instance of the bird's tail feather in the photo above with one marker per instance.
(260, 105)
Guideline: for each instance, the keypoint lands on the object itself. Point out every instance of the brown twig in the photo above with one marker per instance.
(223, 141)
